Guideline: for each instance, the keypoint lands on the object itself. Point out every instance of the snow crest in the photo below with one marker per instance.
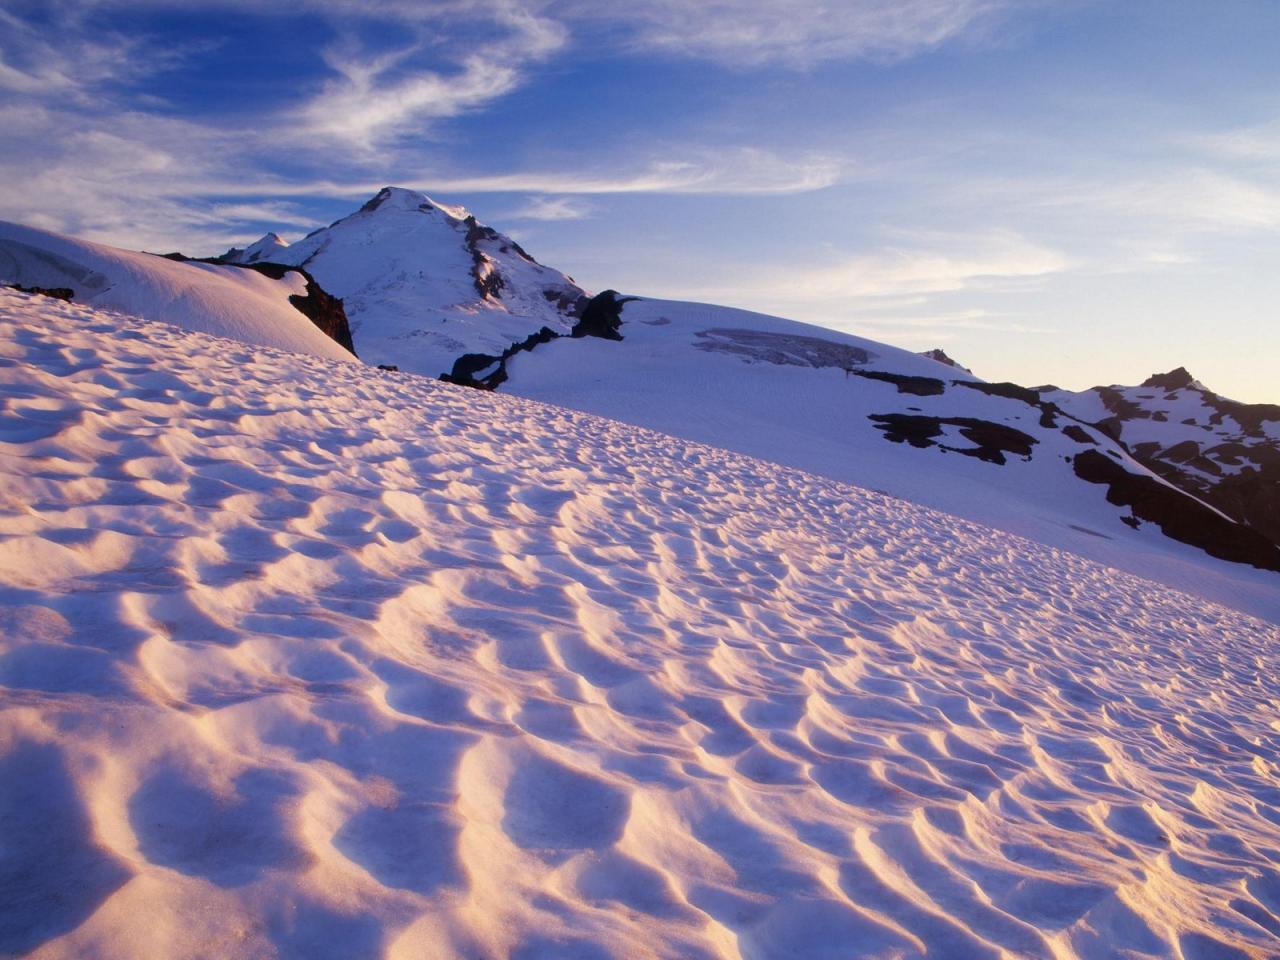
(304, 659)
(224, 301)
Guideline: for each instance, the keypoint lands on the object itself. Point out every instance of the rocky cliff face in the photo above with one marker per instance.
(316, 304)
(1224, 452)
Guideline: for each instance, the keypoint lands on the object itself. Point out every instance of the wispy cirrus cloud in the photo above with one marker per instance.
(550, 209)
(361, 108)
(797, 33)
(933, 264)
(903, 292)
(1253, 142)
(678, 170)
(75, 67)
(741, 171)
(92, 148)
(377, 95)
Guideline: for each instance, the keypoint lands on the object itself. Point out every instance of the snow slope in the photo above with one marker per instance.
(225, 301)
(425, 286)
(302, 659)
(806, 397)
(424, 283)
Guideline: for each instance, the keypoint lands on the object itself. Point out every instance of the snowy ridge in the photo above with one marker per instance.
(1225, 452)
(303, 659)
(269, 249)
(224, 301)
(430, 290)
(424, 283)
(864, 412)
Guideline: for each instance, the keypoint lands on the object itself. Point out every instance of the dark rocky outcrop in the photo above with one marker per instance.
(1178, 515)
(1009, 391)
(940, 355)
(916, 386)
(570, 302)
(325, 311)
(488, 281)
(468, 365)
(1078, 433)
(601, 317)
(377, 200)
(317, 305)
(1049, 412)
(57, 293)
(1250, 416)
(991, 440)
(1173, 380)
(1234, 468)
(1250, 495)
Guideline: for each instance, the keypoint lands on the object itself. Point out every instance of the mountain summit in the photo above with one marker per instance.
(1222, 451)
(266, 250)
(424, 282)
(1173, 380)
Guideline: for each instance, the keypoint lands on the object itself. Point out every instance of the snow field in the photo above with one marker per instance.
(302, 659)
(664, 377)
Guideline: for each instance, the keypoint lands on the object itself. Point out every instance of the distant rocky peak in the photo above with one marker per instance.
(940, 355)
(1176, 379)
(260, 251)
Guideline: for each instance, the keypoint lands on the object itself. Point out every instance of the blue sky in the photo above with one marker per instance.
(1073, 192)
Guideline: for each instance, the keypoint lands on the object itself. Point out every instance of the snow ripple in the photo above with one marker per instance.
(300, 659)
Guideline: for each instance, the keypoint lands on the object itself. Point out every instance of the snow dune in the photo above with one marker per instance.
(301, 659)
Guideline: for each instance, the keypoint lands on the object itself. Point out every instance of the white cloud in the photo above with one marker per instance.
(551, 209)
(1258, 142)
(945, 264)
(73, 68)
(1159, 202)
(377, 96)
(748, 33)
(275, 213)
(363, 107)
(902, 294)
(729, 171)
(739, 171)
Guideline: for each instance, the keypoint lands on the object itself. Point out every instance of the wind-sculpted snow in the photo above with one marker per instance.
(302, 659)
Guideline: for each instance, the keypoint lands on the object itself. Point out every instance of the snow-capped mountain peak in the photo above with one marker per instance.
(402, 199)
(425, 282)
(265, 250)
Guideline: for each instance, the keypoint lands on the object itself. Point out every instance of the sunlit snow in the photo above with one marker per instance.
(304, 659)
